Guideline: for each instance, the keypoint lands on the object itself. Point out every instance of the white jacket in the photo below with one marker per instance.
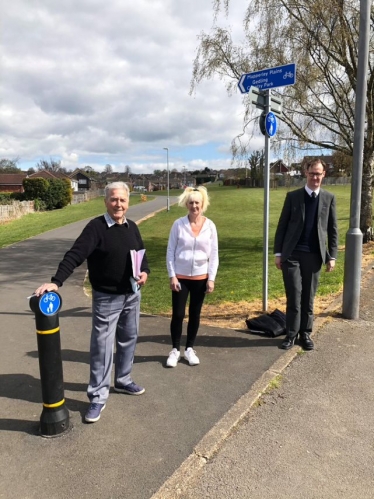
(189, 255)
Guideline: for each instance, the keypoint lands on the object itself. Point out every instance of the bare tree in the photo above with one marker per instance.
(108, 168)
(342, 164)
(51, 165)
(9, 165)
(322, 39)
(256, 167)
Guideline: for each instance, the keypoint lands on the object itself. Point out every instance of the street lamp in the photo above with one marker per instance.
(167, 164)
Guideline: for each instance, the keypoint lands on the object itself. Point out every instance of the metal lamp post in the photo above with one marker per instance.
(353, 240)
(168, 188)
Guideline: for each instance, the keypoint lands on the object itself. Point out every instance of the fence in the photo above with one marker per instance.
(81, 197)
(284, 181)
(15, 210)
(279, 181)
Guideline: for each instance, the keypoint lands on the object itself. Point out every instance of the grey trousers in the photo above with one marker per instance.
(114, 318)
(300, 276)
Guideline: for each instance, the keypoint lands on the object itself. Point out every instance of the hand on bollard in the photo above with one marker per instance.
(47, 286)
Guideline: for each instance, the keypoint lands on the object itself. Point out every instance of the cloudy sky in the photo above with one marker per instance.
(89, 82)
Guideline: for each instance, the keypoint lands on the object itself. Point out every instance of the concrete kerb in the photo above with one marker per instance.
(150, 215)
(210, 444)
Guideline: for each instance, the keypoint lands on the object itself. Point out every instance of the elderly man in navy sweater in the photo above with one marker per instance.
(105, 243)
(306, 238)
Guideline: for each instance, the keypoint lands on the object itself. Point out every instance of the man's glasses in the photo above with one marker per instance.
(312, 174)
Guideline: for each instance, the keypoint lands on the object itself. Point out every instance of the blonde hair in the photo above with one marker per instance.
(190, 192)
(115, 185)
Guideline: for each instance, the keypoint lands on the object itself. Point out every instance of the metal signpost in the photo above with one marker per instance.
(258, 85)
(257, 98)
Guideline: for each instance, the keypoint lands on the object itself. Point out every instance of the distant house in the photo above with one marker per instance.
(295, 169)
(279, 168)
(54, 175)
(203, 178)
(12, 182)
(83, 180)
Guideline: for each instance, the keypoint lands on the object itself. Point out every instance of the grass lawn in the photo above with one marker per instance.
(39, 222)
(238, 215)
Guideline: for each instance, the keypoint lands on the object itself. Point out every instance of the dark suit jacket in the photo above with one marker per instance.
(291, 223)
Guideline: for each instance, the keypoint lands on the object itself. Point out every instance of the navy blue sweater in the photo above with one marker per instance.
(309, 237)
(107, 251)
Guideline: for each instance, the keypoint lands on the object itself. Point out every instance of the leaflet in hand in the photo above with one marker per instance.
(136, 260)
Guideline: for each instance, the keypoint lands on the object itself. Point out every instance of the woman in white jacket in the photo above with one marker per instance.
(192, 263)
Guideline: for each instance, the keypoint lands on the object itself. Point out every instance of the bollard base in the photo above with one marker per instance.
(54, 422)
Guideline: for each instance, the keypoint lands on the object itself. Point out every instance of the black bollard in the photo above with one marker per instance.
(54, 419)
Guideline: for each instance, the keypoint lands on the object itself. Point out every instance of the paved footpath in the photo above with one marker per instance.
(139, 442)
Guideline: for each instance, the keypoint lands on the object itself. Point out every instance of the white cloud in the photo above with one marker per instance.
(94, 82)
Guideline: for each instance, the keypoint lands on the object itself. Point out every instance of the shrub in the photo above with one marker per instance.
(17, 196)
(5, 198)
(35, 188)
(39, 205)
(51, 194)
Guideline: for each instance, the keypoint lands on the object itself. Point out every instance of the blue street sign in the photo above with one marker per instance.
(50, 303)
(265, 79)
(271, 124)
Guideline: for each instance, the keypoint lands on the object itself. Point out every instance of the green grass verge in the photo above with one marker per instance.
(39, 222)
(238, 214)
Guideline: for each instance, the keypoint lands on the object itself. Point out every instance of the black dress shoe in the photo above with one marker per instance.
(288, 343)
(305, 341)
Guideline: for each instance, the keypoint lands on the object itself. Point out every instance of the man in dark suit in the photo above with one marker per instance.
(306, 238)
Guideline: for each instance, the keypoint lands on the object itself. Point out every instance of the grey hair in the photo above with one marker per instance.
(115, 185)
(189, 192)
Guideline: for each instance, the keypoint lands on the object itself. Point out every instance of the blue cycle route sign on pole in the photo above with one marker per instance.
(259, 84)
(271, 124)
(50, 303)
(266, 79)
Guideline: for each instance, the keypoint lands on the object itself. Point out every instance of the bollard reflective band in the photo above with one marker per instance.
(57, 404)
(49, 331)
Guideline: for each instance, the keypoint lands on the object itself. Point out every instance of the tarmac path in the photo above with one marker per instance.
(139, 442)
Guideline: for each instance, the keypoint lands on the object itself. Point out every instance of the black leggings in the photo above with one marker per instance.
(196, 290)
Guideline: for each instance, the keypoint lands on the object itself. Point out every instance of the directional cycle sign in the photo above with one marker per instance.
(266, 79)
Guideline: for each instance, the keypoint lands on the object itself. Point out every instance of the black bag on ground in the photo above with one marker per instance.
(271, 325)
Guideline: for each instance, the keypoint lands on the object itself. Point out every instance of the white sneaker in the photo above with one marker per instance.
(191, 356)
(173, 358)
